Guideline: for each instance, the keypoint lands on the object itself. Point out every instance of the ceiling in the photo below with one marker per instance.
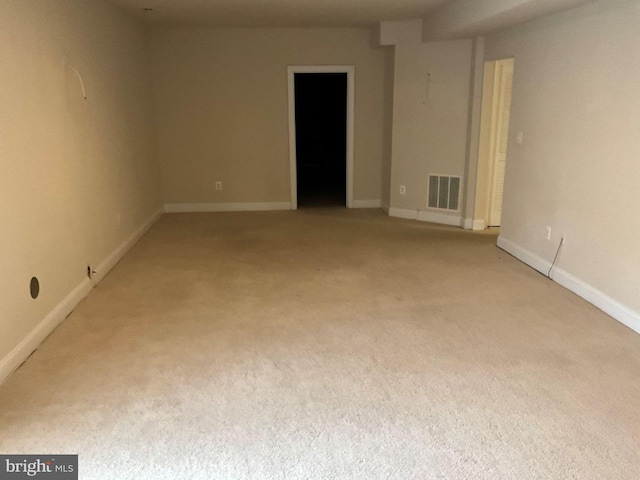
(443, 18)
(276, 13)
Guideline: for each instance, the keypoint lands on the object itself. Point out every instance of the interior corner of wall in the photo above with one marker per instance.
(386, 34)
(401, 31)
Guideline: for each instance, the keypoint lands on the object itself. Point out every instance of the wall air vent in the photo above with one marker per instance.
(444, 192)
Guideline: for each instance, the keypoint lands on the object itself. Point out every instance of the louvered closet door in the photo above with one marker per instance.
(504, 83)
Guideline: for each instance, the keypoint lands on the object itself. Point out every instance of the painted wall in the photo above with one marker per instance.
(222, 114)
(577, 101)
(388, 132)
(77, 176)
(430, 121)
(474, 129)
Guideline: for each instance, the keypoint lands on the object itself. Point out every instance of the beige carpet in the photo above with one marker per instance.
(329, 344)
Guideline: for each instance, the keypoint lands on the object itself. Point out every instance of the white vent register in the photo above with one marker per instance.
(444, 192)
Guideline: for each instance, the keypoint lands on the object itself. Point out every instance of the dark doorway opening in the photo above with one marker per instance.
(321, 139)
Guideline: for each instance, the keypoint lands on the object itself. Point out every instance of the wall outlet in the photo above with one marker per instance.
(548, 233)
(520, 138)
(403, 190)
(218, 185)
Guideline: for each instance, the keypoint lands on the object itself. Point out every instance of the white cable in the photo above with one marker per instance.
(555, 259)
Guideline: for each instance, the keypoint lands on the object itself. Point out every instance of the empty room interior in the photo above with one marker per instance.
(321, 239)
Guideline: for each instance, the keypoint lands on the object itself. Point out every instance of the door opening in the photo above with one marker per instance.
(321, 139)
(321, 136)
(494, 139)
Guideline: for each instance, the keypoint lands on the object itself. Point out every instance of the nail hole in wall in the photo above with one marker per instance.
(34, 287)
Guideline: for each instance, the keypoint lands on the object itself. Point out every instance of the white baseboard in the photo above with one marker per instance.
(478, 225)
(225, 207)
(471, 224)
(55, 317)
(367, 204)
(32, 341)
(108, 263)
(384, 207)
(441, 218)
(591, 294)
(425, 216)
(534, 261)
(403, 213)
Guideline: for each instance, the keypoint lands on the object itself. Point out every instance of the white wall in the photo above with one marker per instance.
(577, 100)
(69, 167)
(388, 131)
(429, 132)
(221, 100)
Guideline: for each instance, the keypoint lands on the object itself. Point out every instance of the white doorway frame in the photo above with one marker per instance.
(350, 71)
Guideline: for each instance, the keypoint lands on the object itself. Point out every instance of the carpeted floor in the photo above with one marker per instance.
(329, 344)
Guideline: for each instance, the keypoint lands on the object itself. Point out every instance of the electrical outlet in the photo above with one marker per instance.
(403, 190)
(548, 233)
(218, 185)
(520, 138)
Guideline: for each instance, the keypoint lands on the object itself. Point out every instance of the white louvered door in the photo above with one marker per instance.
(502, 96)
